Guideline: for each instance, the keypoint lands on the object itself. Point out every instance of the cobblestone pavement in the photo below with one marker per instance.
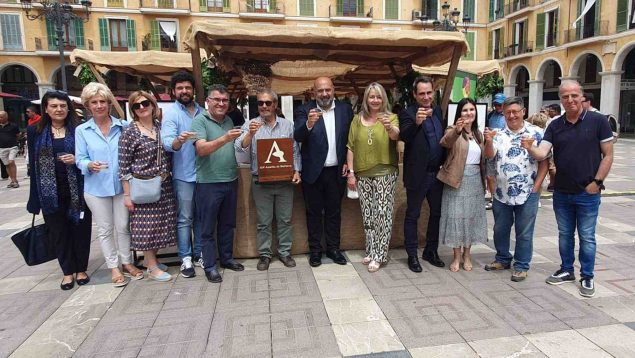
(332, 310)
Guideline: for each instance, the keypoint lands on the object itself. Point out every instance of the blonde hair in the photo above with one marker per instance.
(379, 89)
(138, 94)
(538, 119)
(94, 89)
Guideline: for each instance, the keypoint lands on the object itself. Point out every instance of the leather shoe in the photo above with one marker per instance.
(233, 265)
(433, 258)
(336, 256)
(213, 276)
(67, 286)
(315, 259)
(413, 264)
(263, 263)
(288, 261)
(83, 281)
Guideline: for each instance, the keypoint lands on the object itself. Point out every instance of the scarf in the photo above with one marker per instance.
(46, 179)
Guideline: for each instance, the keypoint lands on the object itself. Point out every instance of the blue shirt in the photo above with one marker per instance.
(496, 120)
(434, 133)
(91, 145)
(176, 120)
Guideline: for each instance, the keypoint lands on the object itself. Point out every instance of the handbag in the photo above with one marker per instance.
(33, 244)
(147, 190)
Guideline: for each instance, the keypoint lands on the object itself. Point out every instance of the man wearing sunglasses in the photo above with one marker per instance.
(216, 183)
(321, 126)
(176, 131)
(276, 197)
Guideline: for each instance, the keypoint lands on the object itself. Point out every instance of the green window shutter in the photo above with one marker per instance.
(155, 35)
(272, 6)
(468, 9)
(131, 33)
(540, 31)
(360, 8)
(50, 35)
(391, 10)
(79, 33)
(598, 15)
(555, 27)
(501, 42)
(491, 10)
(434, 10)
(104, 36)
(226, 6)
(469, 37)
(578, 25)
(202, 5)
(306, 8)
(490, 43)
(514, 40)
(622, 15)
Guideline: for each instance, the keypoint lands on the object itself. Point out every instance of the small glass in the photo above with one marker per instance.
(103, 165)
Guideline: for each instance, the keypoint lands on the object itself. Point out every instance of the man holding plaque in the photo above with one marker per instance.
(321, 126)
(275, 167)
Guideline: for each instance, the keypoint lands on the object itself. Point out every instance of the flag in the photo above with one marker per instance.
(586, 9)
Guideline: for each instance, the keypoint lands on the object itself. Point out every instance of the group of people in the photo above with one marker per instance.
(83, 171)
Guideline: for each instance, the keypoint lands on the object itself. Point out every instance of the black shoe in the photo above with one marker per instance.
(315, 259)
(213, 276)
(67, 286)
(287, 261)
(263, 263)
(433, 258)
(336, 256)
(83, 281)
(413, 264)
(233, 265)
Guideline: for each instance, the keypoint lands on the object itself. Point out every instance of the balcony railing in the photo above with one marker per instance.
(165, 4)
(114, 3)
(600, 28)
(517, 5)
(498, 53)
(215, 6)
(519, 49)
(346, 10)
(499, 13)
(262, 7)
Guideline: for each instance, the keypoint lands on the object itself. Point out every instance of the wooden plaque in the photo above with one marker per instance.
(275, 159)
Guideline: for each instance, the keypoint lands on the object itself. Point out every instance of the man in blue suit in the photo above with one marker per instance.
(321, 127)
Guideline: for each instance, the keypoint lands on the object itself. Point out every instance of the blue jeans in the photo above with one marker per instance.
(581, 211)
(523, 217)
(216, 217)
(185, 217)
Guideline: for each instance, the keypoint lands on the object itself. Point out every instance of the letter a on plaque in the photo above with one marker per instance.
(275, 159)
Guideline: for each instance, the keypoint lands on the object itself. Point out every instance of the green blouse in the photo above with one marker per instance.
(374, 153)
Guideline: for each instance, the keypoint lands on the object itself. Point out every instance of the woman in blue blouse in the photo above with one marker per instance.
(97, 156)
(57, 187)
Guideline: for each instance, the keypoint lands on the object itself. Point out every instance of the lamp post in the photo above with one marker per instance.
(450, 19)
(60, 15)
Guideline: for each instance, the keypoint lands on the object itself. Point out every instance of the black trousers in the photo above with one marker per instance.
(71, 241)
(432, 189)
(323, 202)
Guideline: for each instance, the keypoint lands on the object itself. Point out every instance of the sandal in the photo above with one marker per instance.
(366, 260)
(467, 264)
(134, 274)
(454, 266)
(373, 266)
(162, 277)
(119, 281)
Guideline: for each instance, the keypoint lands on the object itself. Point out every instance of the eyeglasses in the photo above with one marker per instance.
(138, 105)
(218, 100)
(263, 103)
(514, 112)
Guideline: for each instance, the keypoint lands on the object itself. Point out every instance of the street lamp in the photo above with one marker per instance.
(450, 19)
(60, 15)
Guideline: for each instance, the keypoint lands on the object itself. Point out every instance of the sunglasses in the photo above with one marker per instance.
(143, 104)
(263, 103)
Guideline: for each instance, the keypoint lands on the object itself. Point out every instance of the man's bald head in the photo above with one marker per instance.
(4, 117)
(324, 92)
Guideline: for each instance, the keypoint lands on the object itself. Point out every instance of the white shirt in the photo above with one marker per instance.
(329, 122)
(473, 153)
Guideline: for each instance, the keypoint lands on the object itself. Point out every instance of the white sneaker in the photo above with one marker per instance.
(187, 269)
(198, 262)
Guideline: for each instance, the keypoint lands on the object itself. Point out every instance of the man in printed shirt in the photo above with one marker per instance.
(518, 181)
(275, 197)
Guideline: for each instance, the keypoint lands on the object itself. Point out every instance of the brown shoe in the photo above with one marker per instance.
(288, 261)
(518, 276)
(263, 263)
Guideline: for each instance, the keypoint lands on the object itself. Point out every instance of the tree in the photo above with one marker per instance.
(86, 76)
(488, 85)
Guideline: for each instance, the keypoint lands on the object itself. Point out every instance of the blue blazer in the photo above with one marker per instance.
(314, 143)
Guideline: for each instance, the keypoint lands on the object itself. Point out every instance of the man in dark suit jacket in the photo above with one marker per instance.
(321, 127)
(421, 130)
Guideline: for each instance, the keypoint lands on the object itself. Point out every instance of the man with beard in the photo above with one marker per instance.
(175, 134)
(321, 126)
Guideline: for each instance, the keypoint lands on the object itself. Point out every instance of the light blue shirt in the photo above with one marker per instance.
(176, 120)
(91, 145)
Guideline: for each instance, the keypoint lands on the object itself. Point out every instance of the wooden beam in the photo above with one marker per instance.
(447, 89)
(197, 72)
(228, 44)
(100, 79)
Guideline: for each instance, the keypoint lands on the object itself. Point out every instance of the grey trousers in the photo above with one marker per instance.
(273, 199)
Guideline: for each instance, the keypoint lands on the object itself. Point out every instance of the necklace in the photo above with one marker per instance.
(58, 132)
(370, 136)
(151, 131)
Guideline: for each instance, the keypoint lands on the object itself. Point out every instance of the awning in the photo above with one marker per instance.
(478, 68)
(9, 95)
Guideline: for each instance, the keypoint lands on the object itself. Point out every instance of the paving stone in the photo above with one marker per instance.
(304, 342)
(366, 337)
(174, 350)
(516, 346)
(238, 333)
(430, 330)
(553, 345)
(350, 310)
(456, 350)
(393, 354)
(116, 338)
(618, 339)
(294, 292)
(299, 315)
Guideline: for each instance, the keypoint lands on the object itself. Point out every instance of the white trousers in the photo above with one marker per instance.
(109, 212)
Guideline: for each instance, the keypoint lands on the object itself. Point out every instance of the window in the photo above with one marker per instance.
(430, 9)
(164, 35)
(391, 9)
(625, 15)
(306, 8)
(73, 35)
(261, 5)
(519, 32)
(117, 35)
(496, 44)
(214, 5)
(547, 29)
(496, 10)
(469, 9)
(350, 7)
(589, 24)
(470, 37)
(11, 32)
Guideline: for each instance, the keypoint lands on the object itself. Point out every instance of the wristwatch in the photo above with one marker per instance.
(600, 183)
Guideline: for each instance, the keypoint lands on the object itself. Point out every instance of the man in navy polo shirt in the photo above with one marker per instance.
(582, 144)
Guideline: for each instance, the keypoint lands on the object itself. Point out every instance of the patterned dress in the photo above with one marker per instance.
(152, 226)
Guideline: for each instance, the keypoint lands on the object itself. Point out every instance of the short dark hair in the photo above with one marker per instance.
(182, 76)
(589, 97)
(514, 100)
(555, 107)
(218, 88)
(31, 108)
(421, 79)
(71, 117)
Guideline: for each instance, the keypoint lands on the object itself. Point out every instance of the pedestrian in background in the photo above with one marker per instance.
(495, 120)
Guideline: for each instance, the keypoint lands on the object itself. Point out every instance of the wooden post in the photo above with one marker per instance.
(100, 79)
(197, 70)
(449, 81)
